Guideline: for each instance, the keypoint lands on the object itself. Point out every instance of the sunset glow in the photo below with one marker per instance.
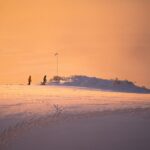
(100, 38)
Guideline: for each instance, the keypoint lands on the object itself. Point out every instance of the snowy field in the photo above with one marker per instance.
(71, 118)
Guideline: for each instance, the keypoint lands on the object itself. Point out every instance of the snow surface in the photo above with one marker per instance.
(53, 114)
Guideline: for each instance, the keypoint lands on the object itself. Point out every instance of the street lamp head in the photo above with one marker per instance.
(56, 54)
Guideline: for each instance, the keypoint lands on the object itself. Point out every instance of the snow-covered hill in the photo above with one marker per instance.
(98, 83)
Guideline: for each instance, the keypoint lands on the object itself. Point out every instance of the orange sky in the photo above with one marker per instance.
(103, 38)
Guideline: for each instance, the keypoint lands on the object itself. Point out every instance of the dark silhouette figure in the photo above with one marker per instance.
(29, 80)
(44, 80)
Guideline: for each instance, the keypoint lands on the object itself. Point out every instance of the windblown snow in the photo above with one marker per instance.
(98, 83)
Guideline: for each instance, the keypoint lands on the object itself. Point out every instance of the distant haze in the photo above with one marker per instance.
(103, 38)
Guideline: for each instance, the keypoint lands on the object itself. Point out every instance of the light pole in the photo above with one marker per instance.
(56, 54)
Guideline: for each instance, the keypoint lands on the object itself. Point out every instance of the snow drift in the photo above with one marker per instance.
(98, 83)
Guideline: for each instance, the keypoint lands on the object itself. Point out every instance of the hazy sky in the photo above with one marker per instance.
(103, 38)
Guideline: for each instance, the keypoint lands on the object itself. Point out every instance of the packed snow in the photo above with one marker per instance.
(60, 116)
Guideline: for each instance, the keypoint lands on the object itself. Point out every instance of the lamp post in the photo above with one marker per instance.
(56, 54)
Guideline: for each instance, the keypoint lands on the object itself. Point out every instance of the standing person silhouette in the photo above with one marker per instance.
(44, 80)
(29, 80)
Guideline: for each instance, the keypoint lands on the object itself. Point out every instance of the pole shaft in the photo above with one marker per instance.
(57, 65)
